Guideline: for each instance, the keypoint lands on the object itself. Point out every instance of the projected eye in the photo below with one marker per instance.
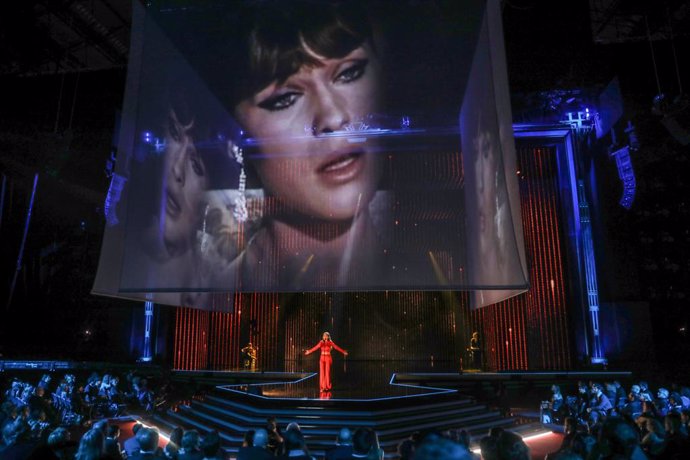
(280, 101)
(354, 72)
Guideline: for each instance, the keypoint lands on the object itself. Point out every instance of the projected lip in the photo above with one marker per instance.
(341, 167)
(172, 207)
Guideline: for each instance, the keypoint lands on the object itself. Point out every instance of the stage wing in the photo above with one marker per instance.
(415, 189)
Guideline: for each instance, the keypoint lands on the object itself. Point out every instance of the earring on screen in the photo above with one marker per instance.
(205, 241)
(240, 212)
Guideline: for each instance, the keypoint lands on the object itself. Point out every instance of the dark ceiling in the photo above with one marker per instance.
(53, 36)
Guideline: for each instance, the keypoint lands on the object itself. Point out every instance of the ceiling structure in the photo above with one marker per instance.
(624, 21)
(41, 37)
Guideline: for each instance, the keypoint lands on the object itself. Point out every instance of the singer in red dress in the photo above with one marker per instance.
(326, 345)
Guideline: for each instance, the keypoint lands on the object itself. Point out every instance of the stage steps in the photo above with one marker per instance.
(232, 414)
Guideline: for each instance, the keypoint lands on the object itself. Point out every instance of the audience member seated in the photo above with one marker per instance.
(148, 445)
(131, 445)
(661, 403)
(405, 450)
(172, 448)
(343, 446)
(569, 431)
(8, 412)
(275, 438)
(210, 446)
(617, 439)
(112, 444)
(601, 405)
(61, 444)
(362, 442)
(293, 426)
(633, 408)
(435, 447)
(91, 446)
(259, 450)
(488, 446)
(375, 453)
(556, 404)
(248, 439)
(645, 394)
(464, 441)
(16, 442)
(512, 447)
(295, 447)
(621, 396)
(677, 443)
(653, 443)
(407, 446)
(685, 419)
(190, 446)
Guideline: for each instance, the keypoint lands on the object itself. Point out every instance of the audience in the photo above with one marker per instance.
(439, 448)
(362, 442)
(210, 446)
(61, 444)
(602, 421)
(343, 446)
(173, 447)
(406, 447)
(132, 444)
(275, 438)
(148, 445)
(259, 450)
(190, 446)
(91, 446)
(112, 443)
(295, 447)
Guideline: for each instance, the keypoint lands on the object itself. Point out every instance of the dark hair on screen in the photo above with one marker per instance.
(210, 129)
(275, 33)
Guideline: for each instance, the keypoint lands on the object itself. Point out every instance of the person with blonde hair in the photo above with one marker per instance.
(326, 345)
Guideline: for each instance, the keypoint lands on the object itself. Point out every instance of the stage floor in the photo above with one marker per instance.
(354, 381)
(358, 388)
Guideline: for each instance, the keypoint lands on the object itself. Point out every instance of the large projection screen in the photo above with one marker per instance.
(294, 146)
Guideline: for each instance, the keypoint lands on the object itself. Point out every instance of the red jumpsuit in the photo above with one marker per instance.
(325, 362)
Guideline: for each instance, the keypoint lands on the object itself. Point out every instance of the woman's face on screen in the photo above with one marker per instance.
(302, 159)
(184, 184)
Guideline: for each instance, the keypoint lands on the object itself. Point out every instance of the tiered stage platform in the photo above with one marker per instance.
(364, 395)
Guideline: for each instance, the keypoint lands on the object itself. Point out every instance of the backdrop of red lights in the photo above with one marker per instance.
(529, 331)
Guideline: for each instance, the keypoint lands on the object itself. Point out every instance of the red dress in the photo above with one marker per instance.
(325, 362)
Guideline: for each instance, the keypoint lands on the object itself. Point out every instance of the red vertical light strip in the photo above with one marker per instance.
(176, 342)
(552, 273)
(187, 349)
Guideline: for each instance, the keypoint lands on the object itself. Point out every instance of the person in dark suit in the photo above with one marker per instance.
(295, 447)
(112, 444)
(362, 442)
(148, 445)
(132, 445)
(258, 450)
(343, 446)
(210, 446)
(190, 446)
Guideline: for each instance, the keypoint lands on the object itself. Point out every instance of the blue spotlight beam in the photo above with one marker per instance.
(21, 248)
